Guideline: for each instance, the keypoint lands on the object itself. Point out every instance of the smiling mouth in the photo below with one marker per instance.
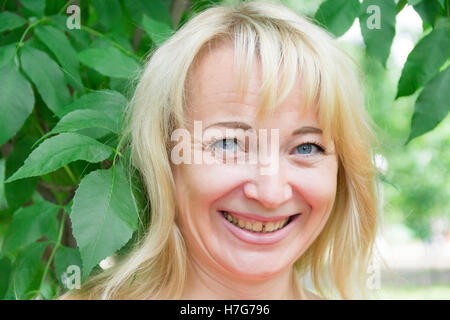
(257, 226)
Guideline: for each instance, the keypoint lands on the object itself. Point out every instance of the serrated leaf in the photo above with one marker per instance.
(30, 224)
(103, 215)
(26, 271)
(158, 31)
(377, 22)
(47, 77)
(64, 258)
(83, 119)
(60, 150)
(109, 61)
(35, 6)
(16, 101)
(432, 105)
(111, 103)
(337, 16)
(60, 45)
(424, 61)
(10, 21)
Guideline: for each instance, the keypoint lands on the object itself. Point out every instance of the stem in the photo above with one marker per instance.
(38, 126)
(70, 174)
(30, 26)
(63, 9)
(55, 248)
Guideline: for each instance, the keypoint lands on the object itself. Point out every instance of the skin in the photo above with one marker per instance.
(221, 266)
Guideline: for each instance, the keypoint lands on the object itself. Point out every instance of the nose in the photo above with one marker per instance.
(270, 190)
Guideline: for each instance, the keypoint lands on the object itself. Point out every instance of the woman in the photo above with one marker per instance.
(250, 134)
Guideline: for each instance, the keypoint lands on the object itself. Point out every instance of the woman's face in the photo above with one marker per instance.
(277, 212)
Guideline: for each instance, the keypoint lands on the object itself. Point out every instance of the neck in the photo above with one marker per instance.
(203, 283)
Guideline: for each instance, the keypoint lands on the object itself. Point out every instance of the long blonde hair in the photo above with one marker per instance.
(285, 44)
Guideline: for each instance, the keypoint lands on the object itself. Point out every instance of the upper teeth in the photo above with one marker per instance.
(257, 226)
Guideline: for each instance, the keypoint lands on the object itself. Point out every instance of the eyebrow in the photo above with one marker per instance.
(231, 125)
(245, 126)
(305, 130)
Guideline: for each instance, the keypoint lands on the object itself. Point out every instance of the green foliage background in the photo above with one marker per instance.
(65, 198)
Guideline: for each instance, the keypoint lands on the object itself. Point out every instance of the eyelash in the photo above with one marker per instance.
(319, 146)
(211, 142)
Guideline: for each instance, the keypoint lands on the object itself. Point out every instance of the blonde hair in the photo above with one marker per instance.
(287, 45)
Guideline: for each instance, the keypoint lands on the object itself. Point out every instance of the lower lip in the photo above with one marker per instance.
(259, 237)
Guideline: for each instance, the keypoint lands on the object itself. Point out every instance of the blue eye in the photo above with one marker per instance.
(226, 144)
(307, 148)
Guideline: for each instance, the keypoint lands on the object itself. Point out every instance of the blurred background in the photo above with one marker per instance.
(414, 239)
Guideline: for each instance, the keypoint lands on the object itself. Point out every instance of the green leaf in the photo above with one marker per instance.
(103, 215)
(109, 13)
(83, 119)
(10, 21)
(110, 62)
(16, 101)
(337, 16)
(110, 102)
(64, 258)
(414, 2)
(26, 271)
(424, 61)
(429, 11)
(5, 271)
(432, 105)
(7, 54)
(47, 77)
(35, 6)
(201, 5)
(3, 202)
(19, 192)
(30, 224)
(159, 32)
(154, 9)
(60, 150)
(377, 22)
(60, 45)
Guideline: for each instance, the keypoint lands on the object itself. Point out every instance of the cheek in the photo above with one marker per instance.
(197, 188)
(317, 186)
(203, 184)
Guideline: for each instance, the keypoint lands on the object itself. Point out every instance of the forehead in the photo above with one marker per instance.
(212, 89)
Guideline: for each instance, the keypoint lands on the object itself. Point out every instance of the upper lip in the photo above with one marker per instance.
(250, 216)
